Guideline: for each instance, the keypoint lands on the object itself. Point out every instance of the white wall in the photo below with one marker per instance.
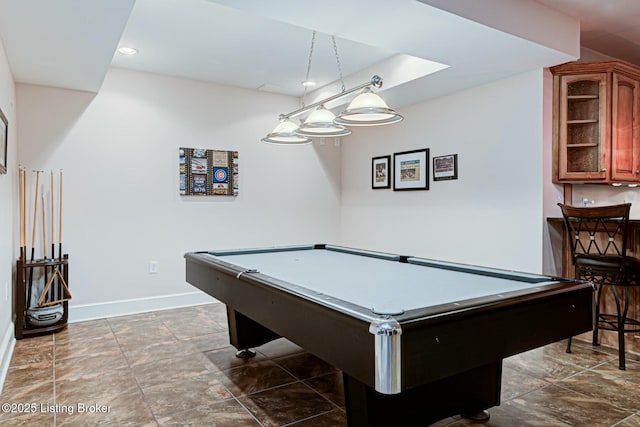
(119, 153)
(492, 214)
(118, 150)
(8, 196)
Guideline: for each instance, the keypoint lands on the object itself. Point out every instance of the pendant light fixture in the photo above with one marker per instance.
(285, 133)
(320, 123)
(367, 109)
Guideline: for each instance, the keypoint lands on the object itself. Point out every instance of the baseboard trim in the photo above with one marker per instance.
(6, 352)
(82, 312)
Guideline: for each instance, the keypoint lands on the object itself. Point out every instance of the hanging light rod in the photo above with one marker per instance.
(376, 81)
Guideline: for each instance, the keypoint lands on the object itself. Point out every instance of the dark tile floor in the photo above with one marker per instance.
(176, 367)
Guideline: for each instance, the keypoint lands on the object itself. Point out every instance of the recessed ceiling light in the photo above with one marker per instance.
(127, 50)
(308, 83)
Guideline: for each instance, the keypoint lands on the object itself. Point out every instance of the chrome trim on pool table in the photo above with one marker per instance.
(387, 333)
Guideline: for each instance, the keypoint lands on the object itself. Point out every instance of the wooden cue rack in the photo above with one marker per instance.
(22, 326)
(50, 311)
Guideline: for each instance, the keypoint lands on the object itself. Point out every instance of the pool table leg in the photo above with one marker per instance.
(245, 333)
(469, 392)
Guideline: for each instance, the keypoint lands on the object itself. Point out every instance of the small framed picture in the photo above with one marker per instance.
(380, 172)
(411, 170)
(4, 126)
(445, 167)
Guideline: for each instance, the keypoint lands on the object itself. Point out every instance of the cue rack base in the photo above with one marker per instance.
(23, 328)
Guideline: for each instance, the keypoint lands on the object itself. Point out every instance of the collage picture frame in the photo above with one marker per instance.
(205, 172)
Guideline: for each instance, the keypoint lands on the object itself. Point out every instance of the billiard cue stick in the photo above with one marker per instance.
(60, 282)
(33, 237)
(44, 228)
(51, 192)
(60, 219)
(20, 208)
(35, 216)
(23, 250)
(23, 230)
(24, 214)
(44, 237)
(53, 245)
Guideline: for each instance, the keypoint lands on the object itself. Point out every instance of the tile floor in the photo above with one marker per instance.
(176, 367)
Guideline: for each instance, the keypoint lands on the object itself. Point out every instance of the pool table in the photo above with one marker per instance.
(417, 340)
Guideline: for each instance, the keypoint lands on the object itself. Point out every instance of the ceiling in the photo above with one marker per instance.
(609, 27)
(422, 48)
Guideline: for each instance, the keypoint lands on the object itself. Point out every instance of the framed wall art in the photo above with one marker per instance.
(208, 172)
(445, 167)
(4, 132)
(380, 172)
(411, 170)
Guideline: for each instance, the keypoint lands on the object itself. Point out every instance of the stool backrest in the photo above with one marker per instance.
(599, 231)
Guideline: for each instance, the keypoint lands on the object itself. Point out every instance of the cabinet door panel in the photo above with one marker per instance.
(582, 138)
(624, 129)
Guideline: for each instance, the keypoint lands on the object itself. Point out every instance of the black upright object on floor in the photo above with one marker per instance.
(598, 238)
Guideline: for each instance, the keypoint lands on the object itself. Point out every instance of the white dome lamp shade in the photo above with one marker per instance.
(368, 109)
(320, 123)
(284, 134)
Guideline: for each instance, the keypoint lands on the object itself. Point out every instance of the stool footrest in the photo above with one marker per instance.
(609, 322)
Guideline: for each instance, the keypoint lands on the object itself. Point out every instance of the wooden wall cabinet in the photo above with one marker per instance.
(596, 123)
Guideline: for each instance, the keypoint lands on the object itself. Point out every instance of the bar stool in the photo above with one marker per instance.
(598, 239)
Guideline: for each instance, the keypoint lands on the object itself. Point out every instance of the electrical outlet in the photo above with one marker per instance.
(153, 267)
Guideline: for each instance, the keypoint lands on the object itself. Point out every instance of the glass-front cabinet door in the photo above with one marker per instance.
(583, 111)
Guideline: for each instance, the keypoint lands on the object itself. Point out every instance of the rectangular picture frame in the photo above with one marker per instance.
(380, 172)
(411, 170)
(206, 172)
(4, 137)
(445, 167)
